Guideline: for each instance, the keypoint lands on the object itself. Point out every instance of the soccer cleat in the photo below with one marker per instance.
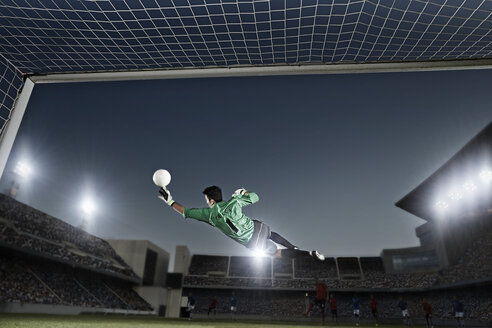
(317, 255)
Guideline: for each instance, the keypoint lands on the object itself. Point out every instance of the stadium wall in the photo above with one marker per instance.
(182, 262)
(134, 253)
(155, 296)
(150, 262)
(411, 259)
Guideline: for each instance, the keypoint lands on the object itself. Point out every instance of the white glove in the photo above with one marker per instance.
(166, 196)
(238, 192)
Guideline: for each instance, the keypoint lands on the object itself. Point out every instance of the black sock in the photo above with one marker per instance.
(280, 240)
(294, 253)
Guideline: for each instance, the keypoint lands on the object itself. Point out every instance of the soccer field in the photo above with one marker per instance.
(93, 321)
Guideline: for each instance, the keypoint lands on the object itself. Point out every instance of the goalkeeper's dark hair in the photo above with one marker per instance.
(213, 192)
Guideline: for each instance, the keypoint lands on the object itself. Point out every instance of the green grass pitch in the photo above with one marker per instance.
(113, 321)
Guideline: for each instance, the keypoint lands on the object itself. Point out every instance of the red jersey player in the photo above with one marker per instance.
(212, 307)
(333, 308)
(428, 313)
(374, 308)
(320, 300)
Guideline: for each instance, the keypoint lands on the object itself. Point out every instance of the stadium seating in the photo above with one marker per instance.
(347, 273)
(310, 268)
(475, 263)
(45, 260)
(18, 284)
(203, 264)
(244, 266)
(26, 228)
(349, 267)
(34, 280)
(283, 267)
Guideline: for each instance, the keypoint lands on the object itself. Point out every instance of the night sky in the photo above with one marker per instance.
(328, 155)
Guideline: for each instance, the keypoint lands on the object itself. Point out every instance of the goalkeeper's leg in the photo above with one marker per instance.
(293, 251)
(270, 248)
(297, 253)
(281, 240)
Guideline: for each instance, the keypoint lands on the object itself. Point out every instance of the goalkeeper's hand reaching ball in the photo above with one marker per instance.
(166, 197)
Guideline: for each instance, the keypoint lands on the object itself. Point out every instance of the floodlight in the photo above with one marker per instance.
(455, 194)
(441, 205)
(87, 206)
(469, 186)
(486, 176)
(23, 170)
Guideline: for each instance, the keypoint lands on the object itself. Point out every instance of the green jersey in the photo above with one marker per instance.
(228, 217)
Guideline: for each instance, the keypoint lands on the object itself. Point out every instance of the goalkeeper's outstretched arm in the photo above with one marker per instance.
(165, 195)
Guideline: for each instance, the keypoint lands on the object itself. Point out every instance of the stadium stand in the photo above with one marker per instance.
(283, 294)
(309, 268)
(29, 279)
(203, 264)
(44, 260)
(243, 266)
(52, 265)
(282, 267)
(349, 267)
(20, 285)
(373, 268)
(475, 263)
(26, 228)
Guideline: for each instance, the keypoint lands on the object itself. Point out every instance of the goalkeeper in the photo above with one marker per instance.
(227, 216)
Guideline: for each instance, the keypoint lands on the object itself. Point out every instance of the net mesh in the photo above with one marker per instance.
(10, 84)
(73, 35)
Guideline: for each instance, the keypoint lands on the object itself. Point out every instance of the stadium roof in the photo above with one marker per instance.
(458, 183)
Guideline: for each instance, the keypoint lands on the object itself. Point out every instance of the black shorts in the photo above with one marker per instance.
(374, 312)
(334, 312)
(261, 239)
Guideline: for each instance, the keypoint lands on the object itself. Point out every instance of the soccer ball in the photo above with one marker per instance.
(161, 178)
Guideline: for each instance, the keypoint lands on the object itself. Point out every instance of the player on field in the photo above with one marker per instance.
(233, 305)
(212, 307)
(191, 305)
(333, 307)
(307, 302)
(356, 307)
(458, 309)
(374, 309)
(428, 313)
(227, 216)
(319, 300)
(404, 311)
